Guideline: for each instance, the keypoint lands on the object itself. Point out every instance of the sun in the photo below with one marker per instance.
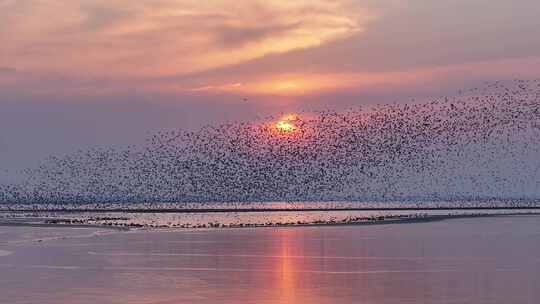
(285, 126)
(286, 123)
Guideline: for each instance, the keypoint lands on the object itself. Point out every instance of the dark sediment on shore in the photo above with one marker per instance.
(380, 220)
(49, 224)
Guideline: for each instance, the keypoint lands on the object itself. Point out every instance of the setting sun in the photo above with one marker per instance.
(286, 124)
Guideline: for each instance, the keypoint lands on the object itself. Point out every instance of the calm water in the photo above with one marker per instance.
(480, 260)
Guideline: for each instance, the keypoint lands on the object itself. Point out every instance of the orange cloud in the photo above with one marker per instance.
(300, 84)
(164, 37)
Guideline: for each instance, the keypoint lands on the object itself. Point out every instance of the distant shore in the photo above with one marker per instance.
(229, 210)
(4, 223)
(383, 220)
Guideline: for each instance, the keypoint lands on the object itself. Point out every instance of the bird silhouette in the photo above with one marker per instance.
(480, 145)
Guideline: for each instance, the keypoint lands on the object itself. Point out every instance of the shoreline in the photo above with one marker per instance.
(365, 222)
(391, 221)
(4, 223)
(246, 210)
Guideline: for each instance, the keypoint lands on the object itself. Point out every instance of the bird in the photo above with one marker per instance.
(453, 148)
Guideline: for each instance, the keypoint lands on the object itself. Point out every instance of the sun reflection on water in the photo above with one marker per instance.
(288, 281)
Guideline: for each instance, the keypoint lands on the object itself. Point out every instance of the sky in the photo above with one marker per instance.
(83, 73)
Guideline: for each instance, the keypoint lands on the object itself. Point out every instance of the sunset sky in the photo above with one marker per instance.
(81, 73)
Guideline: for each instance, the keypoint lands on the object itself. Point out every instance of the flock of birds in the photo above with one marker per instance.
(481, 144)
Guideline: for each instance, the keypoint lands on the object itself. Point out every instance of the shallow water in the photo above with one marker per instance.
(477, 260)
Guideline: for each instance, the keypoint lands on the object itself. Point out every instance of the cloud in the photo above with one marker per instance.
(316, 83)
(235, 36)
(301, 47)
(7, 70)
(163, 37)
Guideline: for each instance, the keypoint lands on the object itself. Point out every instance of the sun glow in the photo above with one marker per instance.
(285, 126)
(286, 123)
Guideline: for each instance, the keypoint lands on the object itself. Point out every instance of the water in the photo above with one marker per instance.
(477, 260)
